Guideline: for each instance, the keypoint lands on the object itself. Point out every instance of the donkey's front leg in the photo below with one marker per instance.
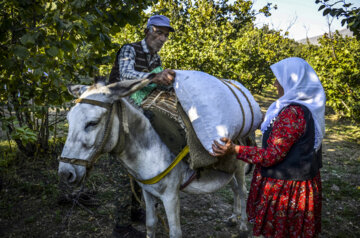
(172, 208)
(151, 218)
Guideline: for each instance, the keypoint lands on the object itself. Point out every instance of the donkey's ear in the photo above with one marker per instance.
(100, 80)
(127, 87)
(77, 90)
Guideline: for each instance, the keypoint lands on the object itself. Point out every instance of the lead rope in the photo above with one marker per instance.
(77, 198)
(125, 129)
(98, 151)
(94, 157)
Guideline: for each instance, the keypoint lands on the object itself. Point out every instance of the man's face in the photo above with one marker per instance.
(156, 39)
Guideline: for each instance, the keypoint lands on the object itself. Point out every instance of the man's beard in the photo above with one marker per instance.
(156, 47)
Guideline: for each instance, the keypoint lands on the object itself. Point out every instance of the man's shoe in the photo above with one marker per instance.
(127, 231)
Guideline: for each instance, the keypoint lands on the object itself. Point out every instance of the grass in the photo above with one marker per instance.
(7, 152)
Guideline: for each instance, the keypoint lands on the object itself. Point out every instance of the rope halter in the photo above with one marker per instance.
(89, 163)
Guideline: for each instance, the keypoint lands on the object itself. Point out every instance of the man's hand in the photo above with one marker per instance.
(228, 148)
(165, 77)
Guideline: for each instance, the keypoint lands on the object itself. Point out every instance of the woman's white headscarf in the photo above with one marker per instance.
(301, 85)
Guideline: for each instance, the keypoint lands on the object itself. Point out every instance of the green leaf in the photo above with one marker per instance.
(333, 12)
(21, 51)
(27, 39)
(326, 11)
(67, 45)
(98, 11)
(38, 72)
(343, 21)
(52, 51)
(321, 7)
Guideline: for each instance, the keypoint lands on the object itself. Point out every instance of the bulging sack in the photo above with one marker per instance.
(216, 108)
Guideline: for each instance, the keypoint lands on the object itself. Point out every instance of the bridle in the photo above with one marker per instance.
(123, 131)
(112, 108)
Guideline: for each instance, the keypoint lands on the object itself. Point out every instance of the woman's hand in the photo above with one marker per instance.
(228, 148)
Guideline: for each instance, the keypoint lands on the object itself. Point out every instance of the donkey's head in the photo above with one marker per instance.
(93, 126)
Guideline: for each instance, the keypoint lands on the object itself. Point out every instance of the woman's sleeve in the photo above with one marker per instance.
(288, 127)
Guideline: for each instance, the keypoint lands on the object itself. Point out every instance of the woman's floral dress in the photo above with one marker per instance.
(282, 208)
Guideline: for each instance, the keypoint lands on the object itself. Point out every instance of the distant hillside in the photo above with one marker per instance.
(314, 40)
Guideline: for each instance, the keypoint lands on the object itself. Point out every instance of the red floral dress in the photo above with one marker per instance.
(282, 208)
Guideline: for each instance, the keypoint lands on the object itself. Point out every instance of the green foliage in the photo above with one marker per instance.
(69, 40)
(75, 40)
(25, 134)
(337, 63)
(7, 154)
(350, 15)
(220, 39)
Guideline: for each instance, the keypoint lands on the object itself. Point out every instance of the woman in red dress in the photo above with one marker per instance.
(285, 194)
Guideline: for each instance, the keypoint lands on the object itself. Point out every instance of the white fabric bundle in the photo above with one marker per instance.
(213, 109)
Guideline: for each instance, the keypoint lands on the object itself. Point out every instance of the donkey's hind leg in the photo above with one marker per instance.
(240, 193)
(151, 218)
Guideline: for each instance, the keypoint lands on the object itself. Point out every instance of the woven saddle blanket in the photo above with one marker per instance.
(175, 129)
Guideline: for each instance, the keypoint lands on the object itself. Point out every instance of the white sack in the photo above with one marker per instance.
(213, 109)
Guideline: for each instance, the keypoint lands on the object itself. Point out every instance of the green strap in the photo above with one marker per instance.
(157, 70)
(141, 94)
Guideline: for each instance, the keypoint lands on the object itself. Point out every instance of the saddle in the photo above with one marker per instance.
(174, 128)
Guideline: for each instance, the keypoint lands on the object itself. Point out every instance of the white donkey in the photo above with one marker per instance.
(103, 121)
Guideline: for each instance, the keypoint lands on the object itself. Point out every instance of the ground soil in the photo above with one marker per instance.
(29, 196)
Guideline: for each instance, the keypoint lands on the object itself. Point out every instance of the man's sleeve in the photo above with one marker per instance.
(127, 62)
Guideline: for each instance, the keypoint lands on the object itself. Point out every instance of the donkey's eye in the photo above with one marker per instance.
(90, 124)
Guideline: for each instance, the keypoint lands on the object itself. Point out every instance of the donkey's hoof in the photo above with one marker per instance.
(243, 226)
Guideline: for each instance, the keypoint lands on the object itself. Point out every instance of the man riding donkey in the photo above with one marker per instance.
(135, 61)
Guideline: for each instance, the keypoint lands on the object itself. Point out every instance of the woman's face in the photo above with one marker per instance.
(279, 88)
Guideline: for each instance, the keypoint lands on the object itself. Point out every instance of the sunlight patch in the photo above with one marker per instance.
(294, 77)
(313, 77)
(301, 95)
(278, 103)
(193, 115)
(222, 131)
(310, 100)
(319, 100)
